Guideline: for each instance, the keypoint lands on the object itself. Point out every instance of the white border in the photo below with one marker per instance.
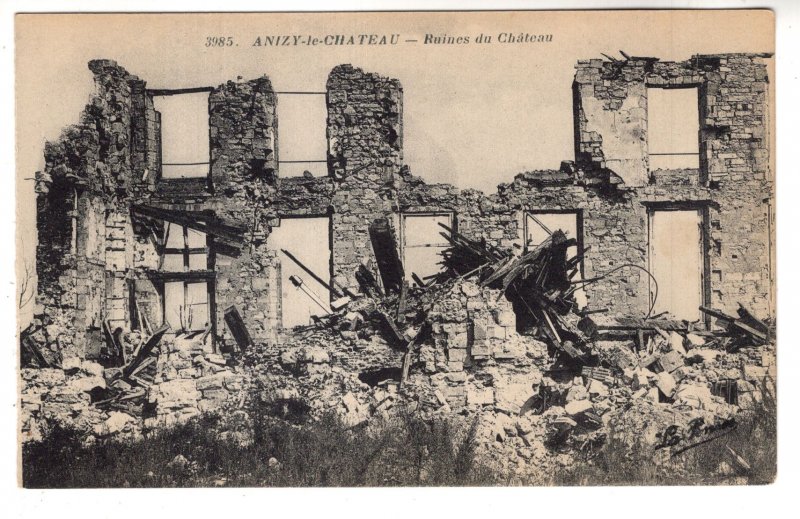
(650, 503)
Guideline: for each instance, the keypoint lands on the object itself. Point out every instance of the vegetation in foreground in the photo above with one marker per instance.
(408, 451)
(405, 452)
(754, 440)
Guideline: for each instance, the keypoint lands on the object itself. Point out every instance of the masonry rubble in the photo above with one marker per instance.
(497, 333)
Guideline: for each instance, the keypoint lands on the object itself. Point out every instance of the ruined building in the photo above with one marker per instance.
(126, 237)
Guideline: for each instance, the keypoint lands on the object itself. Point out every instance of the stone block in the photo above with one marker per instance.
(92, 368)
(478, 332)
(86, 384)
(480, 349)
(455, 395)
(455, 366)
(577, 407)
(216, 358)
(666, 383)
(480, 396)
(597, 389)
(216, 381)
(215, 394)
(456, 354)
(313, 355)
(671, 361)
(234, 382)
(506, 318)
(178, 390)
(456, 376)
(753, 373)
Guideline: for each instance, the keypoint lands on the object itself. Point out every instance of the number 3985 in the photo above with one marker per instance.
(219, 41)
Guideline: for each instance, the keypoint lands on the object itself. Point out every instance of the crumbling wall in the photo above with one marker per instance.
(93, 250)
(476, 357)
(611, 131)
(191, 379)
(244, 144)
(365, 153)
(735, 138)
(611, 117)
(87, 172)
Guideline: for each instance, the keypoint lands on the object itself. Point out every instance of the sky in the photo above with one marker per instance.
(474, 114)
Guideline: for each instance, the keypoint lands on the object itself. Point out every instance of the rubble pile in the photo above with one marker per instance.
(165, 382)
(496, 337)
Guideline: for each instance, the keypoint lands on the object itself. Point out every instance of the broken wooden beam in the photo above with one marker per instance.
(144, 352)
(737, 324)
(33, 353)
(336, 293)
(384, 247)
(115, 348)
(237, 327)
(401, 303)
(200, 222)
(595, 325)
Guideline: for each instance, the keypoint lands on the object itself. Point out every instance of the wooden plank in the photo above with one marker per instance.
(34, 351)
(196, 222)
(392, 326)
(749, 319)
(749, 330)
(593, 325)
(115, 347)
(237, 327)
(401, 304)
(177, 91)
(146, 362)
(417, 280)
(336, 293)
(717, 314)
(384, 247)
(406, 367)
(145, 351)
(143, 320)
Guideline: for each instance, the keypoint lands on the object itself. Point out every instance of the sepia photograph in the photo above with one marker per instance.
(396, 249)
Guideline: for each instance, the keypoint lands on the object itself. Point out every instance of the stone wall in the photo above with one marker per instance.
(93, 251)
(365, 153)
(87, 174)
(191, 379)
(611, 131)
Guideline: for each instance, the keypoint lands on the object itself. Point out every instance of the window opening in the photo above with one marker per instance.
(423, 243)
(185, 134)
(673, 128)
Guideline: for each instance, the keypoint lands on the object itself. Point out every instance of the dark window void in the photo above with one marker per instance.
(676, 262)
(302, 129)
(538, 226)
(184, 135)
(673, 128)
(423, 243)
(308, 240)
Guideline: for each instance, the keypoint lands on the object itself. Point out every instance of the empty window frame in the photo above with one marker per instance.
(308, 240)
(186, 299)
(184, 250)
(184, 139)
(538, 226)
(302, 129)
(423, 243)
(673, 128)
(677, 262)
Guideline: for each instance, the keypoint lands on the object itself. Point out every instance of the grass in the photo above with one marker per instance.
(282, 446)
(754, 439)
(407, 451)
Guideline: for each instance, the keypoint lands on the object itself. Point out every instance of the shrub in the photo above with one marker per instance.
(325, 452)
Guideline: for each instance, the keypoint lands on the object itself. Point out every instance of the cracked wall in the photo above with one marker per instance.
(95, 246)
